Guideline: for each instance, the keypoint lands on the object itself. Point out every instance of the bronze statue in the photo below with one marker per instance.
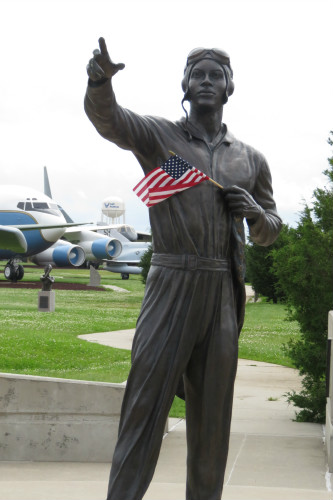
(193, 307)
(46, 279)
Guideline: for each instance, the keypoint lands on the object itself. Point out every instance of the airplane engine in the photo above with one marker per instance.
(102, 248)
(62, 255)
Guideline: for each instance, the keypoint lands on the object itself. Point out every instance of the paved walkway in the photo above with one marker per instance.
(271, 456)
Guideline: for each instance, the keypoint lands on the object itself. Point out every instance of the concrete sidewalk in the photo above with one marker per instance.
(271, 457)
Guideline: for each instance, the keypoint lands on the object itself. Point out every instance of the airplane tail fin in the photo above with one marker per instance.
(47, 191)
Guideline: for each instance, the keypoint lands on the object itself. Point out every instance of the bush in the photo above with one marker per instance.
(259, 268)
(304, 270)
(145, 263)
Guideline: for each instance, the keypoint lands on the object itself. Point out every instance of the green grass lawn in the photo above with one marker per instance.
(70, 275)
(46, 344)
(266, 329)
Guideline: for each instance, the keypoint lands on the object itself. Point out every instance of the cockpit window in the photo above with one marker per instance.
(33, 204)
(40, 205)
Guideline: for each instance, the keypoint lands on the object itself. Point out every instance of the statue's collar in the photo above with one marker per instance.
(223, 136)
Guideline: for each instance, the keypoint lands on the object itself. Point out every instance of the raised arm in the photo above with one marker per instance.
(119, 125)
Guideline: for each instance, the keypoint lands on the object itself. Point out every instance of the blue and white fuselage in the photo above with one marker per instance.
(30, 224)
(21, 206)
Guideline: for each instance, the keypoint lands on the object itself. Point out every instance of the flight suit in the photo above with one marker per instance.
(193, 307)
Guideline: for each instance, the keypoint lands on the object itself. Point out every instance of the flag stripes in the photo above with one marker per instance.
(174, 176)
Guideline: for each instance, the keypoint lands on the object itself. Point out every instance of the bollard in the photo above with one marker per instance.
(329, 394)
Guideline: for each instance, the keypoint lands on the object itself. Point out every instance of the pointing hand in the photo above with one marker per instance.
(101, 66)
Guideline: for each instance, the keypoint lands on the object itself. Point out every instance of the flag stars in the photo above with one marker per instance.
(176, 167)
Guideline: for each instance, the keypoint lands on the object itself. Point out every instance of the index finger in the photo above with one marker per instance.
(102, 46)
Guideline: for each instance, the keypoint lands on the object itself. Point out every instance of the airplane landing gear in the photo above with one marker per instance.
(13, 271)
(124, 276)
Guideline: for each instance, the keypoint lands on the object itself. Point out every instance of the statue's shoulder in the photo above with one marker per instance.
(246, 148)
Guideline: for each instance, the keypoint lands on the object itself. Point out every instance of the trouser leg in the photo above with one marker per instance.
(209, 383)
(162, 347)
(144, 414)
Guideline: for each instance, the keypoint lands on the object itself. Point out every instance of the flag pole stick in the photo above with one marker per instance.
(211, 180)
(216, 183)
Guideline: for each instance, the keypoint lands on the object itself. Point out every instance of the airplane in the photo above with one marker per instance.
(118, 246)
(134, 245)
(30, 222)
(96, 247)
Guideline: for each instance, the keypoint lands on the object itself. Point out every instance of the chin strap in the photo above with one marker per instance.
(186, 119)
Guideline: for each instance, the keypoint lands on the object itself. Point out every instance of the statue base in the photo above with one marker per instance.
(95, 277)
(46, 301)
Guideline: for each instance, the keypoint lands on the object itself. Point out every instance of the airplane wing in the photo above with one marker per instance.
(127, 231)
(80, 234)
(121, 267)
(94, 227)
(11, 238)
(122, 229)
(30, 227)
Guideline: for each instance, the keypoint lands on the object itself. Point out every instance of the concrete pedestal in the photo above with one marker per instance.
(51, 419)
(46, 301)
(95, 277)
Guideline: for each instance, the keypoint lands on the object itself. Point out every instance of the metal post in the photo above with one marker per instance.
(329, 393)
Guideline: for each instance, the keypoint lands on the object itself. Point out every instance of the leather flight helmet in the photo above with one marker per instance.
(218, 55)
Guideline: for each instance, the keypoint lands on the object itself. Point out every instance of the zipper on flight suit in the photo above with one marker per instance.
(212, 150)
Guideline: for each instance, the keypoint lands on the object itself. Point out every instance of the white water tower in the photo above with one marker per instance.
(113, 210)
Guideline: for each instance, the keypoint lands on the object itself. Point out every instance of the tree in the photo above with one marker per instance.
(304, 271)
(145, 263)
(259, 267)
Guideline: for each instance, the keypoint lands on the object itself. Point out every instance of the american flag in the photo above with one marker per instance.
(173, 176)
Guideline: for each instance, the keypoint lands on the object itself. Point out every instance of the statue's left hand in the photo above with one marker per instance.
(241, 203)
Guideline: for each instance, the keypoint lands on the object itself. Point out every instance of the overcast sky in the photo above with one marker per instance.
(281, 54)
